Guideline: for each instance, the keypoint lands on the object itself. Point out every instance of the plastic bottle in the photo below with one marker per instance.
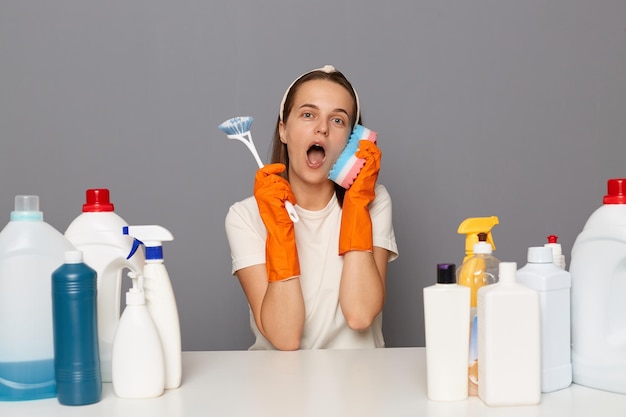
(446, 323)
(138, 366)
(76, 359)
(598, 270)
(553, 285)
(479, 270)
(160, 299)
(97, 232)
(30, 249)
(557, 252)
(509, 340)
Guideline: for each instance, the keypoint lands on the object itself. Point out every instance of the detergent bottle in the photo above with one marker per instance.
(30, 250)
(76, 358)
(138, 365)
(553, 284)
(97, 232)
(598, 271)
(446, 331)
(478, 269)
(160, 299)
(509, 341)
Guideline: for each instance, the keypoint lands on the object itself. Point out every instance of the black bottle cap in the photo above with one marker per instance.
(446, 274)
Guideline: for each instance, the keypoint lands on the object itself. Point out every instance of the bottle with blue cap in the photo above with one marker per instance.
(159, 294)
(30, 250)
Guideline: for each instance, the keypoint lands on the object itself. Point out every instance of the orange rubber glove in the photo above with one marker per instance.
(356, 224)
(281, 254)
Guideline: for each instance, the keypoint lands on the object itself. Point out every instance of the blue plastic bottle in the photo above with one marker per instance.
(76, 358)
(30, 250)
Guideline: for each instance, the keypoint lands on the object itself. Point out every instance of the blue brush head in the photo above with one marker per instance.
(237, 125)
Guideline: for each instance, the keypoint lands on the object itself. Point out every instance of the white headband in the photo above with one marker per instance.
(327, 69)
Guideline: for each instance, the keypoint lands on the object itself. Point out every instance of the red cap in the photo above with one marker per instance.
(98, 200)
(616, 191)
(553, 239)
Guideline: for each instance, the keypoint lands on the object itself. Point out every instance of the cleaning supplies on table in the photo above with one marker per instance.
(138, 366)
(446, 325)
(598, 271)
(30, 250)
(509, 340)
(479, 268)
(159, 294)
(97, 232)
(76, 358)
(553, 285)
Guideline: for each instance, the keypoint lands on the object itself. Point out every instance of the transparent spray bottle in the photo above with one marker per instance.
(478, 269)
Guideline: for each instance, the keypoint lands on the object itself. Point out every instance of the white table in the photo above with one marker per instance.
(324, 383)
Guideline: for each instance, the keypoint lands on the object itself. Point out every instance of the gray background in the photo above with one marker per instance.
(483, 107)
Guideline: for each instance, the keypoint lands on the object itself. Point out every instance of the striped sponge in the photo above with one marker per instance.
(348, 166)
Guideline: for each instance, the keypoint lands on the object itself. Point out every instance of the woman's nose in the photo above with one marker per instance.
(322, 127)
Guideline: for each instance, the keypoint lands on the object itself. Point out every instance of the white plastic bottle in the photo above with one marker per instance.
(97, 232)
(553, 285)
(509, 341)
(160, 299)
(598, 270)
(138, 366)
(446, 324)
(30, 250)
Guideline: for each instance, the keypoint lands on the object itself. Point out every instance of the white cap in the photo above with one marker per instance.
(483, 248)
(507, 272)
(540, 255)
(73, 256)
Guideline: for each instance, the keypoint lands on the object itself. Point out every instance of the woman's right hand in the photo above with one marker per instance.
(271, 191)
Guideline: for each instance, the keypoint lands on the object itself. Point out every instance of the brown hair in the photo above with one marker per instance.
(279, 149)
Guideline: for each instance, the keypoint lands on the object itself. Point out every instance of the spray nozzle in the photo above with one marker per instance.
(152, 237)
(473, 227)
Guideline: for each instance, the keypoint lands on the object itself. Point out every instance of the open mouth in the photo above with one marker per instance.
(315, 155)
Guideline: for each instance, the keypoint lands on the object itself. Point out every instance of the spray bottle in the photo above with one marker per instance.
(138, 366)
(160, 299)
(471, 227)
(479, 268)
(96, 232)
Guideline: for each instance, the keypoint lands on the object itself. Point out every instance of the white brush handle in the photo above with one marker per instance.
(291, 210)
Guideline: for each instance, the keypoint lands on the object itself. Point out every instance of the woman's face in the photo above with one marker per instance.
(317, 129)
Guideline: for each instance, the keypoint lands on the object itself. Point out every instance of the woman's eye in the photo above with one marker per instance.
(307, 115)
(338, 120)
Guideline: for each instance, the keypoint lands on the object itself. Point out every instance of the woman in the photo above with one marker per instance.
(318, 283)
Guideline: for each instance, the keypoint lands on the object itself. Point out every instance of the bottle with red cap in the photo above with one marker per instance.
(97, 232)
(598, 272)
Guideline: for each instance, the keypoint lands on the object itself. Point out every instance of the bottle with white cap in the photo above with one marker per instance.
(553, 285)
(509, 341)
(138, 366)
(76, 358)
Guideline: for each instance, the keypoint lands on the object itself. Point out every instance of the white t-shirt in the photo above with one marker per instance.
(317, 240)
